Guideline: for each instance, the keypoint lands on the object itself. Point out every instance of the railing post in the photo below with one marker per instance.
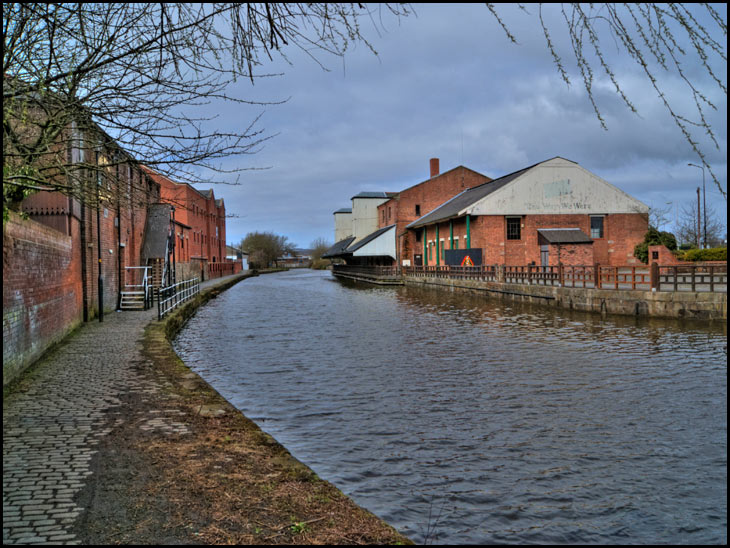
(597, 276)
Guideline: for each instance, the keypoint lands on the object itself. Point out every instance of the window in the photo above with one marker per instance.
(596, 227)
(456, 244)
(513, 228)
(418, 235)
(418, 210)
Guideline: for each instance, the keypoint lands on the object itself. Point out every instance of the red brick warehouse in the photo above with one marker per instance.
(554, 211)
(412, 203)
(200, 226)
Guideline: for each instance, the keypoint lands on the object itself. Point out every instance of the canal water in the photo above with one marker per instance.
(460, 419)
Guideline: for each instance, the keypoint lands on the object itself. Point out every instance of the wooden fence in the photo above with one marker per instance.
(699, 277)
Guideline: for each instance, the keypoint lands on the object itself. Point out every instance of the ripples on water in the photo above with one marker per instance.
(460, 419)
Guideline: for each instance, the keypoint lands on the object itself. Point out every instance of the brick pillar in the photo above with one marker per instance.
(654, 276)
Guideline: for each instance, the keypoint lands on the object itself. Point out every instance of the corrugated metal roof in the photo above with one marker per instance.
(564, 236)
(338, 249)
(369, 238)
(380, 195)
(156, 231)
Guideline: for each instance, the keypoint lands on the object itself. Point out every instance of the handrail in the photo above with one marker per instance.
(172, 296)
(145, 285)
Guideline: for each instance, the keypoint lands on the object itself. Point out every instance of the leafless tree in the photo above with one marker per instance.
(265, 248)
(691, 231)
(319, 247)
(677, 39)
(84, 75)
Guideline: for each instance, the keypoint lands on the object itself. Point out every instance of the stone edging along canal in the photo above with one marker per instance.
(237, 482)
(659, 304)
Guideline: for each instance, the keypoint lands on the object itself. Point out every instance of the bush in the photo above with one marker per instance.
(712, 254)
(654, 237)
(320, 264)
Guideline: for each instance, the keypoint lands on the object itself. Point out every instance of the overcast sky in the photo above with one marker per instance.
(448, 84)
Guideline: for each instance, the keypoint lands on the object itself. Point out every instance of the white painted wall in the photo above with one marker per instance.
(382, 245)
(365, 216)
(343, 226)
(557, 186)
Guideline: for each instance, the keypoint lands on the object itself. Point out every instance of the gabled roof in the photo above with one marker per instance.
(160, 178)
(451, 209)
(439, 175)
(554, 186)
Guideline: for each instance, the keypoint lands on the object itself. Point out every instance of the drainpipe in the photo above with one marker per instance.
(425, 248)
(438, 256)
(100, 278)
(468, 231)
(174, 245)
(83, 205)
(119, 240)
(451, 233)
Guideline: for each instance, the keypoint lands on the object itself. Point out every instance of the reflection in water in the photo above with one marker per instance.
(473, 420)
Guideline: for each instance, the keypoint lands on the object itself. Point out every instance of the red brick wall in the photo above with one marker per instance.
(201, 213)
(621, 234)
(429, 195)
(42, 268)
(42, 297)
(121, 222)
(570, 254)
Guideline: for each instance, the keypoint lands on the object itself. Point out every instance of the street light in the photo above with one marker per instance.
(704, 203)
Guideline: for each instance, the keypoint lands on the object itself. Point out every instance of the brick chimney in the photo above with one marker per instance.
(434, 167)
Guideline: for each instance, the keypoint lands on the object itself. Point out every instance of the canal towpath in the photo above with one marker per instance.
(111, 439)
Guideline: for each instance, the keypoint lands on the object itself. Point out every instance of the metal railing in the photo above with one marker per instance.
(170, 297)
(139, 283)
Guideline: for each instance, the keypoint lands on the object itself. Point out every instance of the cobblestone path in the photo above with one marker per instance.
(50, 430)
(52, 425)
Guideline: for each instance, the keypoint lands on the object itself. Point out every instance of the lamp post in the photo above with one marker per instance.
(704, 204)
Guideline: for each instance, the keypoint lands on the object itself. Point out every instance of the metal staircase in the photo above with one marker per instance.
(136, 295)
(141, 282)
